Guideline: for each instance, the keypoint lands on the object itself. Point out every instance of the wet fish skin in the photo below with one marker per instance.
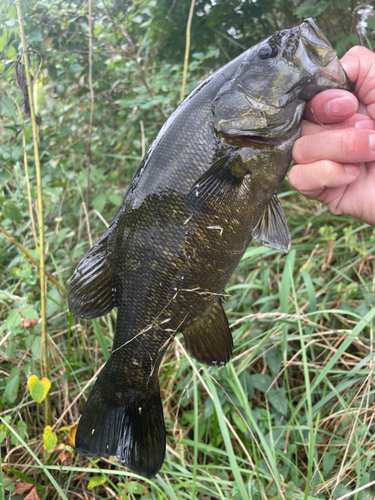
(205, 188)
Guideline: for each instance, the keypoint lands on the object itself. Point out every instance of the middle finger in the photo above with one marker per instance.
(356, 121)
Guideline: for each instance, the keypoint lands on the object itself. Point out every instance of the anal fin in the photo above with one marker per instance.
(90, 289)
(208, 338)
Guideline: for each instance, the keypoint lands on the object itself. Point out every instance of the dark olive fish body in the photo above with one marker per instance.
(206, 186)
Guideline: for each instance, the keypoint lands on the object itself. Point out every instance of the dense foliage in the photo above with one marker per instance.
(291, 416)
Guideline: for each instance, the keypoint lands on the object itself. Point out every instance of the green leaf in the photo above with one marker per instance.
(12, 385)
(247, 385)
(38, 388)
(278, 400)
(12, 321)
(75, 68)
(63, 234)
(135, 488)
(99, 202)
(208, 408)
(340, 491)
(53, 303)
(274, 358)
(115, 199)
(21, 426)
(240, 423)
(13, 213)
(11, 52)
(36, 347)
(24, 272)
(35, 36)
(49, 439)
(311, 8)
(137, 19)
(96, 481)
(328, 462)
(261, 381)
(29, 312)
(6, 105)
(11, 12)
(3, 39)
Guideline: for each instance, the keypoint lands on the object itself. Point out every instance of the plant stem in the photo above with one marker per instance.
(1, 481)
(88, 148)
(29, 256)
(187, 49)
(45, 369)
(26, 170)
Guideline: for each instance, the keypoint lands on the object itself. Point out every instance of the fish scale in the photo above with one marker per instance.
(205, 188)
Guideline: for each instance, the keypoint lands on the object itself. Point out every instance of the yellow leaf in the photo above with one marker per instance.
(38, 388)
(72, 434)
(47, 41)
(49, 438)
(96, 481)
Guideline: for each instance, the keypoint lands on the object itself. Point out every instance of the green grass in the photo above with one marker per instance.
(290, 417)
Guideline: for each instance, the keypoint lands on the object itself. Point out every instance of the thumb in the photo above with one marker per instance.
(359, 63)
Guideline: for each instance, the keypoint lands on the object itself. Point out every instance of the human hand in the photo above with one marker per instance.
(335, 156)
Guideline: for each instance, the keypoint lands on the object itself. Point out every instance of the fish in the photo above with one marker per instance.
(206, 187)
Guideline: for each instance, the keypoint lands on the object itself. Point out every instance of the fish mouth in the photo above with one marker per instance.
(234, 138)
(336, 73)
(320, 60)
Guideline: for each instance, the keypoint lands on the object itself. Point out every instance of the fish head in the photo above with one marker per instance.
(274, 81)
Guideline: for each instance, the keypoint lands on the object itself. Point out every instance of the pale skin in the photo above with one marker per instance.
(335, 156)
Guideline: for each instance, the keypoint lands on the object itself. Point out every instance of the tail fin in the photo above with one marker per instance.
(132, 429)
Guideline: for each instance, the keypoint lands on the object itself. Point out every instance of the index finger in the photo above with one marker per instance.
(331, 106)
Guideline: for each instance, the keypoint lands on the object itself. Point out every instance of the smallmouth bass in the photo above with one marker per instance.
(206, 187)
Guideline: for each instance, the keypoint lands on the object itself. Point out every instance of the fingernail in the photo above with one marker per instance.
(365, 124)
(341, 106)
(372, 142)
(351, 170)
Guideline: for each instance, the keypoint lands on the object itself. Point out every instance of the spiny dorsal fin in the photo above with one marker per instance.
(272, 228)
(90, 290)
(219, 184)
(208, 338)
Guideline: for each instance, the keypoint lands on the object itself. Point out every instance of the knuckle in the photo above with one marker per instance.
(335, 205)
(294, 178)
(335, 208)
(304, 150)
(327, 170)
(350, 143)
(360, 52)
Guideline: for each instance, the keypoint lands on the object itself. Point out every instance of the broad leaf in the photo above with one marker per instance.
(38, 388)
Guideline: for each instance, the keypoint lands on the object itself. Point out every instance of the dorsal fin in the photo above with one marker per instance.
(208, 338)
(90, 290)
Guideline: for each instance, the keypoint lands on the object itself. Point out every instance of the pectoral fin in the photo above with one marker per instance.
(272, 228)
(90, 290)
(220, 183)
(208, 339)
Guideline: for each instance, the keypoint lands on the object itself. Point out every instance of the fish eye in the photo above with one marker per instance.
(267, 51)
